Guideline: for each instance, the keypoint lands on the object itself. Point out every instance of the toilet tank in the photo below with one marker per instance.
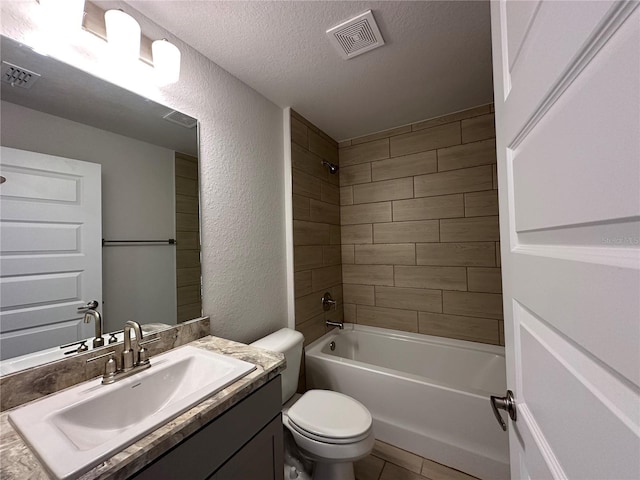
(288, 342)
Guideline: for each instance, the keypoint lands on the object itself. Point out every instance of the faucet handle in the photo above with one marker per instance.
(92, 305)
(109, 370)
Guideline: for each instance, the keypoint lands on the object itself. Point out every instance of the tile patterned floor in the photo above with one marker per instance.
(387, 462)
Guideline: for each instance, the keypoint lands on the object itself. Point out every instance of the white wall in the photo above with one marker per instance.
(137, 203)
(242, 184)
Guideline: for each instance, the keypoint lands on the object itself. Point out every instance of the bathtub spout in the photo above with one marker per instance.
(340, 325)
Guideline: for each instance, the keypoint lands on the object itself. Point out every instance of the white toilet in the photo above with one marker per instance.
(331, 429)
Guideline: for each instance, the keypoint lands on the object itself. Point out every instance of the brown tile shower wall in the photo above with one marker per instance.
(316, 227)
(420, 236)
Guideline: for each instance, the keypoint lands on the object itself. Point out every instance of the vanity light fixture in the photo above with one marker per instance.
(166, 61)
(123, 35)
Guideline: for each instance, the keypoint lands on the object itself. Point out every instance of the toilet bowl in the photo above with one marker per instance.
(329, 428)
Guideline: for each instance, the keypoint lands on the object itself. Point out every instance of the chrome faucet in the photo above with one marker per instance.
(88, 315)
(134, 357)
(340, 325)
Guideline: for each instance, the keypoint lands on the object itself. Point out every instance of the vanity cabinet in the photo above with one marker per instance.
(245, 442)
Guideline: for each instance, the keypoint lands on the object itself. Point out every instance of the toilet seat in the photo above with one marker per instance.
(330, 417)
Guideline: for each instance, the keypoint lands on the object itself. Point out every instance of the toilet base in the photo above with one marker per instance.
(333, 471)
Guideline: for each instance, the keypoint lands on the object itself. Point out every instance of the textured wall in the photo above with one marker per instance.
(316, 227)
(242, 184)
(419, 214)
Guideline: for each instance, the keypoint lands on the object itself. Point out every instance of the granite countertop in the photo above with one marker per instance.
(17, 462)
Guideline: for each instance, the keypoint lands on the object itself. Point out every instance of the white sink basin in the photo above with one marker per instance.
(76, 429)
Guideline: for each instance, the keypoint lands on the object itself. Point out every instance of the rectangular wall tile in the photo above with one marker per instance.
(384, 190)
(305, 161)
(323, 212)
(302, 283)
(346, 195)
(348, 253)
(498, 255)
(310, 233)
(368, 274)
(357, 234)
(426, 208)
(322, 147)
(307, 257)
(359, 294)
(312, 329)
(483, 330)
(387, 318)
(478, 128)
(349, 312)
(427, 139)
(488, 280)
(452, 117)
(365, 213)
(406, 232)
(323, 278)
(335, 236)
(305, 184)
(299, 133)
(481, 204)
(475, 229)
(301, 208)
(331, 255)
(471, 304)
(455, 181)
(308, 306)
(365, 152)
(330, 193)
(495, 177)
(409, 298)
(450, 278)
(354, 174)
(468, 155)
(477, 254)
(384, 134)
(405, 166)
(386, 254)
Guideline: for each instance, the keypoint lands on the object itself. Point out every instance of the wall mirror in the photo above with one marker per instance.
(98, 201)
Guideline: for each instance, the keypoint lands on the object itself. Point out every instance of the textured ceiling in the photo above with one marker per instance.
(437, 57)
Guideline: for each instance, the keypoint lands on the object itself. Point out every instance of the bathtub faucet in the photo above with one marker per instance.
(340, 325)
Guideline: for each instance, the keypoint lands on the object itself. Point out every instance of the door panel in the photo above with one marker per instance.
(567, 124)
(50, 249)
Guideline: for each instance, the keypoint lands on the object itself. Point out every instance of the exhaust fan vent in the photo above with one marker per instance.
(356, 36)
(17, 76)
(180, 119)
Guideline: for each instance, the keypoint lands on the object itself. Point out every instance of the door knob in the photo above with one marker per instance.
(507, 403)
(92, 305)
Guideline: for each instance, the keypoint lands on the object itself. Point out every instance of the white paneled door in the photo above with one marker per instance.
(567, 100)
(50, 249)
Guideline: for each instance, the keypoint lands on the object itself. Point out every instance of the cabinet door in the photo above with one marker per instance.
(260, 459)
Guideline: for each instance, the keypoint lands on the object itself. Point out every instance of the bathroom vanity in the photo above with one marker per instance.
(236, 433)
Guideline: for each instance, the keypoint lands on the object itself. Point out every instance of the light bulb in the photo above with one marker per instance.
(166, 62)
(123, 35)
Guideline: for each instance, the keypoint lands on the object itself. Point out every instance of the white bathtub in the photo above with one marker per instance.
(428, 395)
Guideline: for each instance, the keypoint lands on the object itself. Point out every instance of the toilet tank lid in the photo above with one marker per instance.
(280, 341)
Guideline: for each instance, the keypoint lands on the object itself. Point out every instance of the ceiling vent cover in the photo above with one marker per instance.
(181, 119)
(356, 36)
(17, 76)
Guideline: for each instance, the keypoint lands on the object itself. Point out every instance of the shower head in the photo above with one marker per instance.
(333, 168)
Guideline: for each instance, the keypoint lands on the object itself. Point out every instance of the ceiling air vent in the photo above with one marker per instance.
(356, 36)
(180, 119)
(17, 76)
